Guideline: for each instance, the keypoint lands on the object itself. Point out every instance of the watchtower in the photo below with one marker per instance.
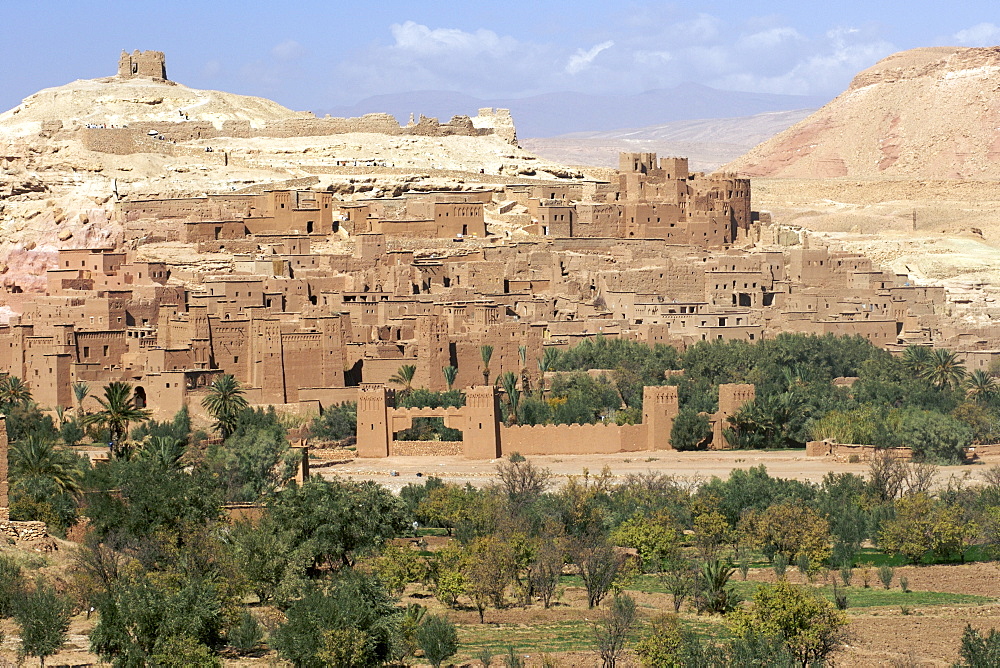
(151, 64)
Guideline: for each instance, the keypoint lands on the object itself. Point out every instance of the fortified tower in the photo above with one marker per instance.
(151, 64)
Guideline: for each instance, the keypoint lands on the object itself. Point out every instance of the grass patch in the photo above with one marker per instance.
(566, 636)
(876, 558)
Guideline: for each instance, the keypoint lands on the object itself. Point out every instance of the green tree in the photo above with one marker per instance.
(916, 358)
(944, 369)
(349, 623)
(450, 373)
(809, 626)
(691, 430)
(612, 630)
(486, 354)
(225, 402)
(33, 459)
(133, 500)
(599, 564)
(663, 644)
(654, 537)
(247, 462)
(332, 521)
(45, 482)
(147, 615)
(14, 391)
(12, 585)
(336, 423)
(513, 395)
(264, 557)
(183, 651)
(978, 650)
(404, 376)
(980, 386)
(81, 391)
(118, 410)
(438, 638)
(42, 616)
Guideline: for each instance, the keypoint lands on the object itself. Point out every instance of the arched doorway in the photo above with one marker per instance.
(140, 397)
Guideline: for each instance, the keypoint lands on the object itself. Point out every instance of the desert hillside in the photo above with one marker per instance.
(59, 191)
(116, 101)
(930, 113)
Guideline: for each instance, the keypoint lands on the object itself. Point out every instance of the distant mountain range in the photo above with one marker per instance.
(554, 114)
(707, 143)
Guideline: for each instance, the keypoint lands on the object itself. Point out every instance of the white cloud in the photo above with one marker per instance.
(981, 34)
(702, 28)
(581, 60)
(288, 50)
(652, 57)
(769, 39)
(421, 40)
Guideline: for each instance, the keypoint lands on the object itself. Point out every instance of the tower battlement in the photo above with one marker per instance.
(142, 64)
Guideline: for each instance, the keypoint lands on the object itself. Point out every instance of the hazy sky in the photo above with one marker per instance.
(315, 54)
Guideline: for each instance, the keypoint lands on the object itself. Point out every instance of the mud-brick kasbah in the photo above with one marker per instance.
(655, 254)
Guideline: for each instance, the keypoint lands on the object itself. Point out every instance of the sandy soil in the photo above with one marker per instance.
(396, 472)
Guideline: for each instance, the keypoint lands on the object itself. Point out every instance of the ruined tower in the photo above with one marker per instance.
(151, 64)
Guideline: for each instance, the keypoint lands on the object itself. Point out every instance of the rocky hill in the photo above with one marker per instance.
(117, 101)
(66, 157)
(930, 113)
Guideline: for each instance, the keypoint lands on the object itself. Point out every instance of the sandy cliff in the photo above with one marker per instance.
(931, 113)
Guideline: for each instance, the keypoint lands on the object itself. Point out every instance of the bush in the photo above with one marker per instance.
(977, 650)
(336, 423)
(438, 638)
(691, 430)
(246, 635)
(11, 585)
(885, 575)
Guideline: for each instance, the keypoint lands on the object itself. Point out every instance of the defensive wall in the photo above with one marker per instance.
(484, 437)
(136, 138)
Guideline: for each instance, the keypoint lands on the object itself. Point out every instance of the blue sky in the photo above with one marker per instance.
(315, 54)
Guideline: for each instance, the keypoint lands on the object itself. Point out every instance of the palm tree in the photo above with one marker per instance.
(450, 373)
(486, 352)
(509, 382)
(404, 376)
(916, 358)
(944, 369)
(81, 391)
(166, 451)
(549, 358)
(225, 402)
(980, 386)
(13, 390)
(117, 411)
(522, 354)
(33, 459)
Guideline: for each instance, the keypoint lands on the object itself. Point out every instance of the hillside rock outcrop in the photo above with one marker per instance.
(930, 113)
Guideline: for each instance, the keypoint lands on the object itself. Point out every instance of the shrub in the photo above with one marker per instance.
(885, 575)
(438, 638)
(979, 650)
(780, 565)
(246, 634)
